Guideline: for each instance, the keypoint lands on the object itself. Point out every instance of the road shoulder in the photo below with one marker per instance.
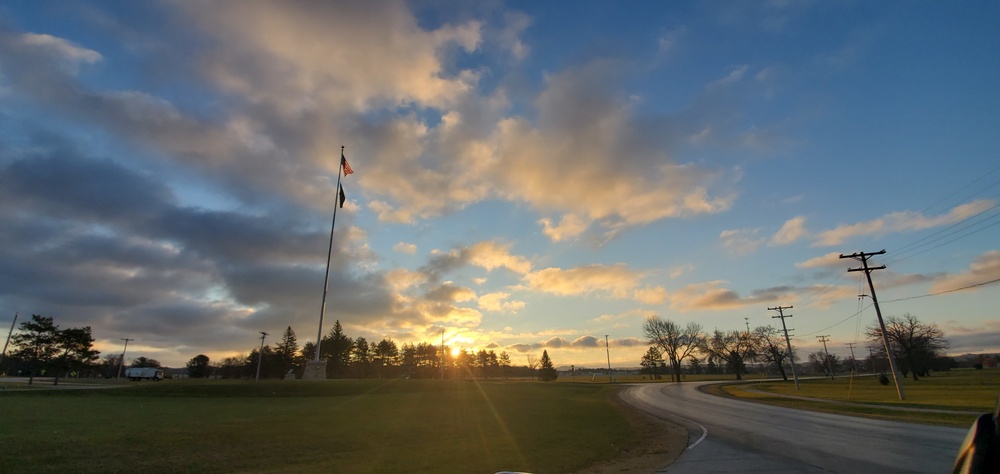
(660, 443)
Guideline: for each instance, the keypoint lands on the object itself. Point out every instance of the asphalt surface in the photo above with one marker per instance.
(729, 435)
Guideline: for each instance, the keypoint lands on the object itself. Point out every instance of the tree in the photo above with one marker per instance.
(916, 345)
(387, 355)
(675, 343)
(546, 371)
(109, 365)
(36, 343)
(733, 347)
(336, 349)
(361, 357)
(198, 367)
(532, 364)
(76, 350)
(504, 362)
(821, 363)
(234, 367)
(650, 362)
(771, 347)
(286, 354)
(145, 362)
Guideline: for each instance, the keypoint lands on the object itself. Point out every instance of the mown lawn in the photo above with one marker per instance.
(322, 426)
(971, 391)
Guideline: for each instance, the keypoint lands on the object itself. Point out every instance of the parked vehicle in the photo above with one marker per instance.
(140, 373)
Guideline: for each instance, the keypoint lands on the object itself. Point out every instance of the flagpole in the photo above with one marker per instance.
(329, 253)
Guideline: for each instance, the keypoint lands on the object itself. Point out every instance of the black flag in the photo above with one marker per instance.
(342, 197)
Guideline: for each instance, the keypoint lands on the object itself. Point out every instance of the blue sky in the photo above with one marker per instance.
(528, 175)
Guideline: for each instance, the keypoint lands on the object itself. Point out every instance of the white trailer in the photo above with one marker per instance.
(141, 373)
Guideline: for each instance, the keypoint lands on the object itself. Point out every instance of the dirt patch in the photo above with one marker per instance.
(660, 443)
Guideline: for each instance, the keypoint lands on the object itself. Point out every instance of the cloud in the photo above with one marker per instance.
(713, 295)
(616, 281)
(676, 272)
(827, 260)
(984, 268)
(68, 54)
(568, 227)
(403, 247)
(741, 241)
(790, 232)
(448, 292)
(903, 221)
(496, 302)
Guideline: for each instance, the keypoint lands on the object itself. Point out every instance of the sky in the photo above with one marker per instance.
(528, 176)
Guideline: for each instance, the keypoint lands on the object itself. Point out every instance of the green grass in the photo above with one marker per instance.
(324, 426)
(971, 391)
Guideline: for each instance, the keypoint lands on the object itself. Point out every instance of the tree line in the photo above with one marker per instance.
(918, 347)
(360, 358)
(41, 348)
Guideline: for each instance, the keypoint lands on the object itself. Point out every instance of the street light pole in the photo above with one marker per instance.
(260, 353)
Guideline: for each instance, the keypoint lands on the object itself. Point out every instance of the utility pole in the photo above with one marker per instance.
(854, 361)
(260, 353)
(829, 366)
(122, 360)
(607, 348)
(788, 342)
(863, 258)
(2, 354)
(871, 355)
(442, 354)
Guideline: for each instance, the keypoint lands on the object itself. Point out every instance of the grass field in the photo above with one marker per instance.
(324, 426)
(971, 391)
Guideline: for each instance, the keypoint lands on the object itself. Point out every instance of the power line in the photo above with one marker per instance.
(943, 292)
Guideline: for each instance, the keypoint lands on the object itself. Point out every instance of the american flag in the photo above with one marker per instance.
(347, 166)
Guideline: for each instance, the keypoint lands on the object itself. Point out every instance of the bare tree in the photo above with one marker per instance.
(771, 347)
(916, 344)
(733, 347)
(675, 343)
(532, 364)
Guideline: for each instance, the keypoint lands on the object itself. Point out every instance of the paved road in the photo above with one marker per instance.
(727, 435)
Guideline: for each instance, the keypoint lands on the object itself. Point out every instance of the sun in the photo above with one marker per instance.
(455, 351)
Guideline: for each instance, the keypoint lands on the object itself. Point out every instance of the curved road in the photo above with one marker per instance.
(728, 435)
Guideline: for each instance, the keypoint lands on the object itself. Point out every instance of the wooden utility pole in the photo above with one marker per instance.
(829, 366)
(854, 361)
(607, 347)
(2, 354)
(863, 258)
(121, 361)
(788, 342)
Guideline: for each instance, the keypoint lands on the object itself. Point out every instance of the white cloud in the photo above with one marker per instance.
(404, 247)
(497, 302)
(741, 241)
(902, 221)
(828, 260)
(985, 268)
(793, 230)
(568, 227)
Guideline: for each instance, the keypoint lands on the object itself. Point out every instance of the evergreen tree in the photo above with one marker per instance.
(286, 354)
(336, 350)
(546, 371)
(35, 343)
(504, 362)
